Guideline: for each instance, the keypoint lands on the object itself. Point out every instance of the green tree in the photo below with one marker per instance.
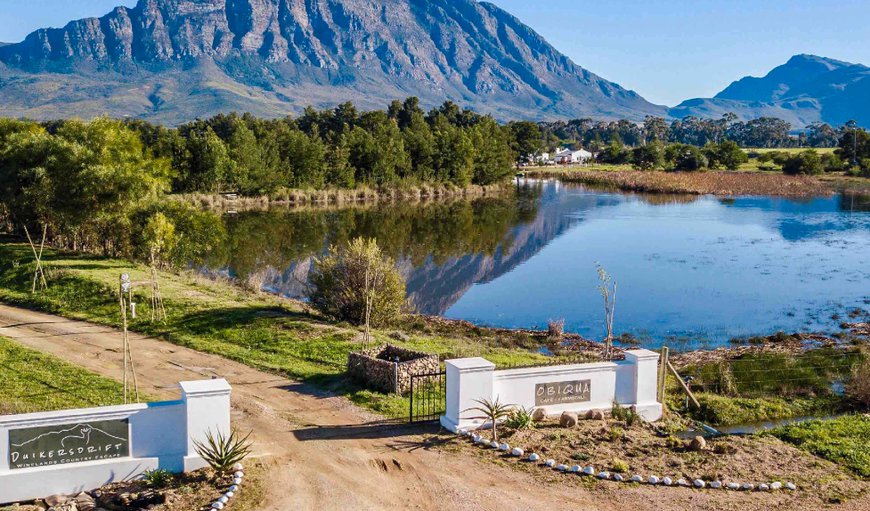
(648, 157)
(730, 155)
(683, 157)
(492, 153)
(526, 140)
(210, 165)
(807, 162)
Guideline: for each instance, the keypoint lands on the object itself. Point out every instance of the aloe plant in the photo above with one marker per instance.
(221, 451)
(493, 411)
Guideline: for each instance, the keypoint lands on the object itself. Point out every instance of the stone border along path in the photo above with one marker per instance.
(619, 478)
(224, 500)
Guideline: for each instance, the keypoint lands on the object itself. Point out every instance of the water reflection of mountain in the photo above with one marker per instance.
(435, 285)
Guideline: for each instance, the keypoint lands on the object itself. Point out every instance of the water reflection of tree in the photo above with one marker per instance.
(276, 238)
(854, 202)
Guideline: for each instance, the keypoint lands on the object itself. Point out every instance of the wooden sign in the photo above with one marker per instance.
(562, 392)
(70, 443)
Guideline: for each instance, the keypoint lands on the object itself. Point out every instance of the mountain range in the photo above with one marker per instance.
(171, 61)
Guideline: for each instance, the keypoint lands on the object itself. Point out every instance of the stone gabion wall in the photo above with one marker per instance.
(377, 369)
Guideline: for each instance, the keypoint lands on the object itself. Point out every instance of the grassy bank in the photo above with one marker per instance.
(843, 440)
(346, 197)
(259, 330)
(34, 382)
(702, 183)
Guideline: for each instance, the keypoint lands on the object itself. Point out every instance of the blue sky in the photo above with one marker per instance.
(666, 50)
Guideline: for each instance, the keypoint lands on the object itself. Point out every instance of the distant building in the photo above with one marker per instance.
(568, 156)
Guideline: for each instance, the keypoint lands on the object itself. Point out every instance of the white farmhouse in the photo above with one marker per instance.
(567, 156)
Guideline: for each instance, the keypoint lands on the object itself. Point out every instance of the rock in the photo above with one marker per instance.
(747, 487)
(504, 447)
(716, 485)
(69, 506)
(667, 481)
(576, 468)
(699, 483)
(550, 463)
(763, 487)
(230, 494)
(238, 466)
(217, 505)
(697, 444)
(239, 474)
(776, 485)
(494, 444)
(85, 502)
(534, 457)
(589, 471)
(653, 480)
(604, 475)
(224, 499)
(562, 468)
(618, 478)
(596, 415)
(682, 482)
(636, 479)
(234, 488)
(56, 500)
(400, 336)
(790, 486)
(733, 486)
(568, 420)
(516, 451)
(237, 481)
(539, 414)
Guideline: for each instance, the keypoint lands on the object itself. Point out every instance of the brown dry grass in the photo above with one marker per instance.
(701, 183)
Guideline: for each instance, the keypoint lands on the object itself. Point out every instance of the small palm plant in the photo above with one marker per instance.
(493, 411)
(221, 451)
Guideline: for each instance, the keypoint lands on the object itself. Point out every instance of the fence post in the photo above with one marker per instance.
(663, 373)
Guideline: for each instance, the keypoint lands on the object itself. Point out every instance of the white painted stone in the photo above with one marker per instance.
(238, 466)
(217, 505)
(562, 467)
(516, 451)
(763, 487)
(224, 499)
(790, 486)
(494, 444)
(618, 478)
(534, 457)
(550, 463)
(475, 438)
(237, 481)
(504, 447)
(716, 485)
(239, 474)
(589, 471)
(604, 475)
(747, 487)
(576, 468)
(636, 478)
(230, 494)
(776, 485)
(653, 480)
(733, 486)
(667, 481)
(234, 487)
(699, 483)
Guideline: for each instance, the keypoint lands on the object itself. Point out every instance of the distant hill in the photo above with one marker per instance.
(175, 60)
(804, 90)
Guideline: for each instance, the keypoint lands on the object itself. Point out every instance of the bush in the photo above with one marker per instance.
(158, 478)
(730, 155)
(555, 328)
(340, 280)
(648, 157)
(520, 419)
(221, 451)
(626, 415)
(859, 385)
(832, 163)
(619, 466)
(616, 433)
(807, 162)
(686, 157)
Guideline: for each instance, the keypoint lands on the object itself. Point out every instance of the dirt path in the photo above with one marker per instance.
(322, 452)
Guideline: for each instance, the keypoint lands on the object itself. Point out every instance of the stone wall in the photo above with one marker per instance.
(389, 368)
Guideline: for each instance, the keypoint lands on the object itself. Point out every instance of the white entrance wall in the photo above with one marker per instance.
(161, 435)
(632, 382)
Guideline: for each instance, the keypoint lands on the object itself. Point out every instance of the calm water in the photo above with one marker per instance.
(691, 271)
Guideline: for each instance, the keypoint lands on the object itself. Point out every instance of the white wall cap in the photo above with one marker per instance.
(470, 364)
(68, 416)
(555, 370)
(200, 387)
(641, 355)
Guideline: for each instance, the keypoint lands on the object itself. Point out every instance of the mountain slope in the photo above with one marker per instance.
(172, 60)
(804, 90)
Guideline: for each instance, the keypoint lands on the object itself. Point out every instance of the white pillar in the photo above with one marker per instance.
(468, 380)
(207, 406)
(643, 383)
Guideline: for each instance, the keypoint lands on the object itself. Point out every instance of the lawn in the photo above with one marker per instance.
(845, 440)
(259, 330)
(33, 382)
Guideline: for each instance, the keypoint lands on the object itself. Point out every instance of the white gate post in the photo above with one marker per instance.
(468, 380)
(207, 409)
(644, 387)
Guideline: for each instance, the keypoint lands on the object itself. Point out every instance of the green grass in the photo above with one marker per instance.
(259, 330)
(719, 410)
(843, 440)
(34, 382)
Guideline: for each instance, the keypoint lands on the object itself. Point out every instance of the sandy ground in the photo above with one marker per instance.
(322, 452)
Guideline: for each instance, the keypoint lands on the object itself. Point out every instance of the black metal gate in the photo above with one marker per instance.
(428, 397)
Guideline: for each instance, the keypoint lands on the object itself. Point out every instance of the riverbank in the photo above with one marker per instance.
(725, 183)
(344, 197)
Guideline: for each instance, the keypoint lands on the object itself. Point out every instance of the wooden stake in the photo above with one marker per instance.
(685, 387)
(39, 274)
(663, 373)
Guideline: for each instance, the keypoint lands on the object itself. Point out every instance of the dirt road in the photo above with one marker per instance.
(322, 452)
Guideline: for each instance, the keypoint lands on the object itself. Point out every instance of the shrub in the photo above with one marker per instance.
(730, 155)
(859, 385)
(221, 451)
(520, 419)
(648, 157)
(354, 275)
(807, 162)
(619, 466)
(555, 328)
(673, 443)
(493, 412)
(626, 415)
(616, 433)
(158, 478)
(686, 157)
(832, 163)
